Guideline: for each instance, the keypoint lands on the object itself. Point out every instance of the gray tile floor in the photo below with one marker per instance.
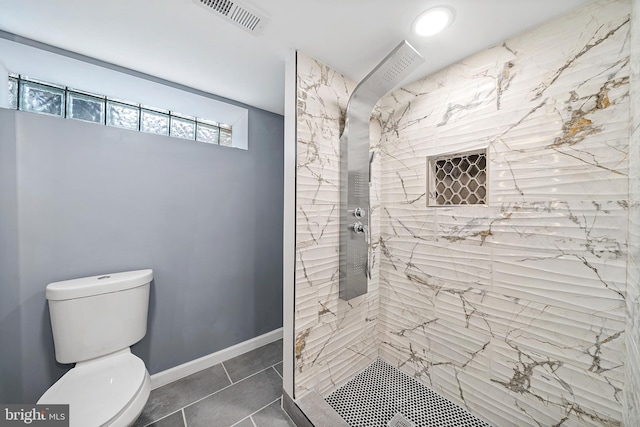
(245, 391)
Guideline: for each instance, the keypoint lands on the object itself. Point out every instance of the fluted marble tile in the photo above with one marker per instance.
(322, 99)
(530, 377)
(516, 310)
(316, 243)
(438, 266)
(339, 345)
(632, 386)
(334, 339)
(575, 281)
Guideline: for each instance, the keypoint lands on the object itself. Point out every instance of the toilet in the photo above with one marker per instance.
(94, 322)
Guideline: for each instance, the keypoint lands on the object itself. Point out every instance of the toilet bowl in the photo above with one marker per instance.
(94, 321)
(110, 391)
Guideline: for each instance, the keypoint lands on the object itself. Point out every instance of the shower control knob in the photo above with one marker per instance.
(359, 213)
(358, 227)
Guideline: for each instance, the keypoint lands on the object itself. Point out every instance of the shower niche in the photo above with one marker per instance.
(459, 179)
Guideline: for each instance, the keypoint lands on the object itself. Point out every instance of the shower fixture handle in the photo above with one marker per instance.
(359, 228)
(359, 213)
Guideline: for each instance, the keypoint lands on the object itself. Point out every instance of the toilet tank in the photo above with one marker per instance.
(96, 316)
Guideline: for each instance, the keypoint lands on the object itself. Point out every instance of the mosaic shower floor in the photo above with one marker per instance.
(382, 396)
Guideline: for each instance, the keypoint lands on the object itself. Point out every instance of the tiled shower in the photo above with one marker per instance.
(522, 310)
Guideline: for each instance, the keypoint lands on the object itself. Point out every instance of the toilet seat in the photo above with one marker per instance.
(100, 391)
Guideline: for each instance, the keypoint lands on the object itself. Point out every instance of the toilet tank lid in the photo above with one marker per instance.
(96, 285)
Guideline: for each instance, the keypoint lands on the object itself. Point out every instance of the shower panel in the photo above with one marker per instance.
(355, 167)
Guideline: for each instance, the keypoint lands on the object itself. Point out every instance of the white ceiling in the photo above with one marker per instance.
(180, 41)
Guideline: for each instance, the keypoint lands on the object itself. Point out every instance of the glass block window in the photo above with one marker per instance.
(13, 92)
(29, 94)
(460, 179)
(122, 115)
(85, 107)
(41, 99)
(184, 128)
(225, 136)
(154, 122)
(208, 133)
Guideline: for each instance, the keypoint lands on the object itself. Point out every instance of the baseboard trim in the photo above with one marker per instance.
(172, 374)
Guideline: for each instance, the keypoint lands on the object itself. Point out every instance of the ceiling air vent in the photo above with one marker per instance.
(238, 14)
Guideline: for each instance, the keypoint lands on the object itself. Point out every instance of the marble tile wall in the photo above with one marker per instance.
(334, 339)
(517, 310)
(632, 389)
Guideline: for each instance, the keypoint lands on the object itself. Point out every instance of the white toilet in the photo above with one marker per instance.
(94, 321)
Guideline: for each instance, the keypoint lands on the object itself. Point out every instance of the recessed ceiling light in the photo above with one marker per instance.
(433, 21)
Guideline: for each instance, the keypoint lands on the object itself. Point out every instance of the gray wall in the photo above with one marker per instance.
(81, 199)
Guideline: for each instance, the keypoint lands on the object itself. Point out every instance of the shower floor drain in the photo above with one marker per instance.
(399, 420)
(382, 395)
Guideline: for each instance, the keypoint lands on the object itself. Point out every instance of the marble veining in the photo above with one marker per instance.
(525, 311)
(632, 385)
(334, 338)
(516, 310)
